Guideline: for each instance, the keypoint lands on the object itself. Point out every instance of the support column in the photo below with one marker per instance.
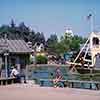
(6, 65)
(0, 65)
(18, 63)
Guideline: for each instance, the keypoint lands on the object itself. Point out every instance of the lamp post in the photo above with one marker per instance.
(91, 18)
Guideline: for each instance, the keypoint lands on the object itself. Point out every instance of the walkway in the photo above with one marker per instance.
(34, 92)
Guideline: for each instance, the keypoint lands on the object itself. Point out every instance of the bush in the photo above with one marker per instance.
(41, 59)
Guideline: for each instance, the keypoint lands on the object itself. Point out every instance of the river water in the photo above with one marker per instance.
(47, 73)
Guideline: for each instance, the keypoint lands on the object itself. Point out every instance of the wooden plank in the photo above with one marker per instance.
(51, 80)
(78, 81)
(7, 78)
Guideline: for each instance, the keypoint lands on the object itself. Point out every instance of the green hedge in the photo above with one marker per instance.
(41, 59)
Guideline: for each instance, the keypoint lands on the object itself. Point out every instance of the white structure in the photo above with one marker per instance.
(39, 48)
(69, 32)
(94, 46)
(91, 46)
(29, 44)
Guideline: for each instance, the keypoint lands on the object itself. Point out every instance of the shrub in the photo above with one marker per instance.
(41, 59)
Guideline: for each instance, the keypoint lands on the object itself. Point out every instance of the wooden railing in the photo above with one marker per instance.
(74, 83)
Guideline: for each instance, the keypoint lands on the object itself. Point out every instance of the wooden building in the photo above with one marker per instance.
(14, 52)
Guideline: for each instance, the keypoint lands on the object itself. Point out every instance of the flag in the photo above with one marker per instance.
(89, 16)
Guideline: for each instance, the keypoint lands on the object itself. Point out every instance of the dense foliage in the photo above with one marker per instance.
(52, 45)
(41, 59)
(21, 32)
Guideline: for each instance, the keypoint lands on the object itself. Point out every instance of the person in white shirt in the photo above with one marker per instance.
(15, 73)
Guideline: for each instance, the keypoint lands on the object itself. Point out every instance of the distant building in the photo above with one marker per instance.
(29, 44)
(39, 47)
(69, 32)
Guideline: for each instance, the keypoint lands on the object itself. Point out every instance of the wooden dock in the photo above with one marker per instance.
(6, 81)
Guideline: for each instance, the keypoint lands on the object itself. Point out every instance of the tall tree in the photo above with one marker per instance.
(24, 31)
(53, 39)
(51, 43)
(4, 29)
(39, 38)
(12, 24)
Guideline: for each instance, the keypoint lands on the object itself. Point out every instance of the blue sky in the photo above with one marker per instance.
(51, 16)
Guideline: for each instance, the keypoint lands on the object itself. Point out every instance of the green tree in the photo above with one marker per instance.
(69, 43)
(39, 38)
(75, 43)
(51, 44)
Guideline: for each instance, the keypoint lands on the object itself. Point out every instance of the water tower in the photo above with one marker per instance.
(69, 32)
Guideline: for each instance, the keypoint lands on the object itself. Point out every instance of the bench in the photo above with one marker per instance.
(5, 81)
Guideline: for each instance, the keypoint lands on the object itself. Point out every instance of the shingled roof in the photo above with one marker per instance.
(14, 46)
